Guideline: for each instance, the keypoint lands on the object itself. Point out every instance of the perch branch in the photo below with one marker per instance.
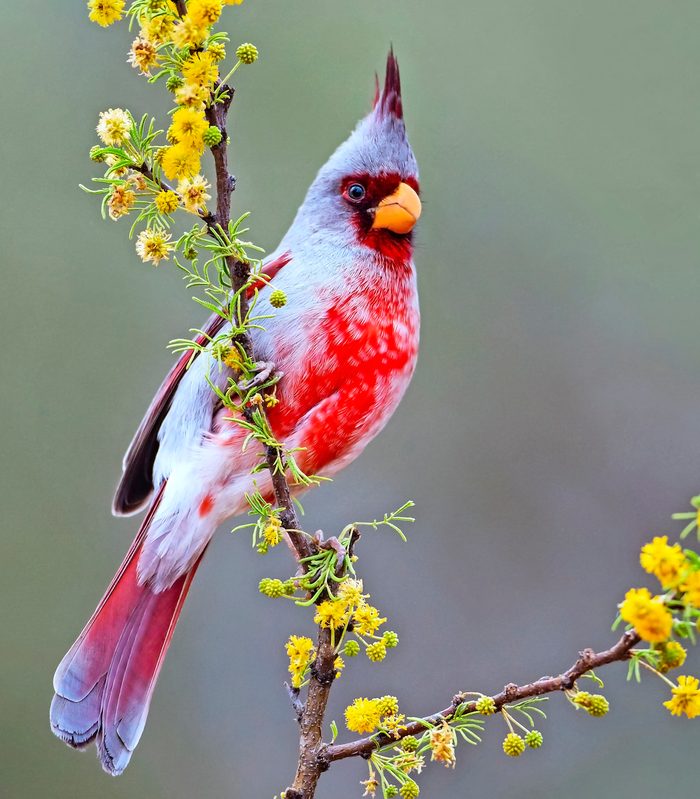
(587, 660)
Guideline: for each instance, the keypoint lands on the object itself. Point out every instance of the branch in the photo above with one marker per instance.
(239, 272)
(323, 672)
(587, 660)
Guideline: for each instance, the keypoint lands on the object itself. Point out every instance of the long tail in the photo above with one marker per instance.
(105, 682)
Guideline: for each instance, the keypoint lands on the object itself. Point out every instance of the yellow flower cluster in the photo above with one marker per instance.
(105, 12)
(153, 244)
(442, 744)
(366, 715)
(651, 619)
(300, 651)
(272, 532)
(113, 126)
(685, 698)
(667, 563)
(121, 200)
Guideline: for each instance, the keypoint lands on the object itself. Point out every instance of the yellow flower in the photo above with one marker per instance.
(331, 614)
(691, 589)
(350, 591)
(157, 29)
(671, 656)
(113, 126)
(232, 2)
(394, 724)
(648, 615)
(300, 651)
(121, 200)
(362, 715)
(338, 665)
(180, 161)
(200, 69)
(232, 359)
(187, 34)
(513, 745)
(153, 245)
(271, 399)
(371, 784)
(204, 12)
(272, 532)
(142, 55)
(442, 744)
(664, 561)
(194, 194)
(191, 96)
(167, 202)
(686, 698)
(388, 705)
(189, 126)
(366, 620)
(105, 12)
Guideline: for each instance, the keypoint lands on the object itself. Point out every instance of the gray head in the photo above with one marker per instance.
(368, 189)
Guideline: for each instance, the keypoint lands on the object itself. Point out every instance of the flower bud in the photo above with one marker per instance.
(278, 299)
(247, 53)
(212, 136)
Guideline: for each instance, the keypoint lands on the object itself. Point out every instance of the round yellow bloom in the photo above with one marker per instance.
(153, 245)
(686, 698)
(191, 96)
(105, 12)
(362, 715)
(233, 359)
(648, 615)
(513, 745)
(691, 589)
(157, 29)
(200, 69)
(189, 126)
(671, 656)
(180, 161)
(666, 562)
(376, 652)
(204, 12)
(338, 665)
(388, 705)
(366, 619)
(167, 202)
(350, 591)
(331, 614)
(186, 34)
(113, 126)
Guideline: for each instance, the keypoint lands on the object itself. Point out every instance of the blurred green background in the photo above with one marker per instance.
(551, 428)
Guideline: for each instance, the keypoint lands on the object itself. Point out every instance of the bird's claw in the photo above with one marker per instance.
(265, 373)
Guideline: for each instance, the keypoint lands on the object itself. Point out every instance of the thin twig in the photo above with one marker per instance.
(587, 660)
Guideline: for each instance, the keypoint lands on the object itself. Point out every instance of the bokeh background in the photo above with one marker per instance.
(552, 426)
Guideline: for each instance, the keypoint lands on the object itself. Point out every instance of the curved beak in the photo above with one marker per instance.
(399, 211)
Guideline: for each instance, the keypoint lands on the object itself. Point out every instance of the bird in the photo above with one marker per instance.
(346, 343)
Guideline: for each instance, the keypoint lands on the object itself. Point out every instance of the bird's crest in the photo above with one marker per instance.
(387, 102)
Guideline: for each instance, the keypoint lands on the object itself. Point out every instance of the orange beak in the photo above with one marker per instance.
(399, 211)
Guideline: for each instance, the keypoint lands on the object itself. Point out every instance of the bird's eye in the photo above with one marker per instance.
(356, 191)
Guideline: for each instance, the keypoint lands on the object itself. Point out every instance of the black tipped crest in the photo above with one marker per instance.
(388, 103)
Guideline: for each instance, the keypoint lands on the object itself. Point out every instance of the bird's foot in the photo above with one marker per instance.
(265, 374)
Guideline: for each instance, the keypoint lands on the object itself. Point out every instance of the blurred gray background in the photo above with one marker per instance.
(552, 426)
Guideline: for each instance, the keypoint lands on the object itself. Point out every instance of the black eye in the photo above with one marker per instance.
(356, 191)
